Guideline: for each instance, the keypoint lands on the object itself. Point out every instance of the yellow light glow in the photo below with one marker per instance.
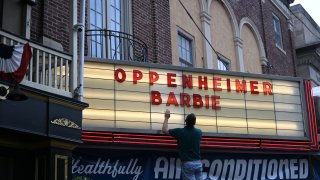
(224, 112)
(289, 116)
(133, 116)
(132, 125)
(211, 129)
(164, 89)
(129, 86)
(97, 125)
(158, 126)
(99, 73)
(290, 133)
(286, 90)
(132, 96)
(205, 120)
(162, 107)
(133, 106)
(202, 92)
(201, 111)
(285, 83)
(271, 132)
(98, 65)
(232, 130)
(98, 93)
(260, 105)
(287, 125)
(174, 118)
(231, 122)
(98, 83)
(287, 99)
(228, 103)
(260, 114)
(288, 107)
(259, 97)
(100, 104)
(98, 114)
(230, 95)
(258, 123)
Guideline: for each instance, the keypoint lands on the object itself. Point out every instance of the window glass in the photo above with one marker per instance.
(110, 15)
(185, 51)
(277, 30)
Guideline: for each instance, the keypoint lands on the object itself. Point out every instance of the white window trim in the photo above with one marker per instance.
(190, 37)
(281, 37)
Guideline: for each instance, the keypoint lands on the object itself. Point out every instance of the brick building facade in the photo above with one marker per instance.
(260, 12)
(151, 24)
(253, 39)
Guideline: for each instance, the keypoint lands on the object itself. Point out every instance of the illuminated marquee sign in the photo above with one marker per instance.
(187, 82)
(135, 97)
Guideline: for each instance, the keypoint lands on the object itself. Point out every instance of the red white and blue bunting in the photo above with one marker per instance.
(14, 61)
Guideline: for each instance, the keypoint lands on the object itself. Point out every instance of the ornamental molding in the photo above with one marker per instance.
(66, 123)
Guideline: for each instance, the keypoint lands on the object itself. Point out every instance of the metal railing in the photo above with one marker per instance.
(49, 70)
(115, 45)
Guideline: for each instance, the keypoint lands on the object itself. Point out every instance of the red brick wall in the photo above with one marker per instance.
(151, 24)
(283, 64)
(37, 21)
(261, 14)
(52, 19)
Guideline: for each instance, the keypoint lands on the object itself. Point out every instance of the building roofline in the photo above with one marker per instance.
(313, 45)
(298, 8)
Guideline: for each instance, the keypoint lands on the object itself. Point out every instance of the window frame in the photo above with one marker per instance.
(189, 38)
(65, 167)
(277, 32)
(125, 24)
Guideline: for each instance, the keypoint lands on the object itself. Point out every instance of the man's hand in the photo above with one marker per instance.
(167, 114)
(165, 122)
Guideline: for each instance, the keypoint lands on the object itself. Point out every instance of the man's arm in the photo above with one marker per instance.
(165, 122)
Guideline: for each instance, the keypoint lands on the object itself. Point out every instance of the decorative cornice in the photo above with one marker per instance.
(282, 8)
(65, 122)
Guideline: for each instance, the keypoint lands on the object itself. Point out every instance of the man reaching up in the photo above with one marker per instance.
(188, 139)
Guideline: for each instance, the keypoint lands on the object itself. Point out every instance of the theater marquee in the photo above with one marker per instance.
(135, 97)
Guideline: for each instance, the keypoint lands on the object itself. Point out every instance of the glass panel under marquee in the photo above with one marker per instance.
(276, 110)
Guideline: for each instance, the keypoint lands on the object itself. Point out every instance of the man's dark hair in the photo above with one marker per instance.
(190, 120)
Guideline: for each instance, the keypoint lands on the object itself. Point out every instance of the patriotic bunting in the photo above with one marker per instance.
(14, 61)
